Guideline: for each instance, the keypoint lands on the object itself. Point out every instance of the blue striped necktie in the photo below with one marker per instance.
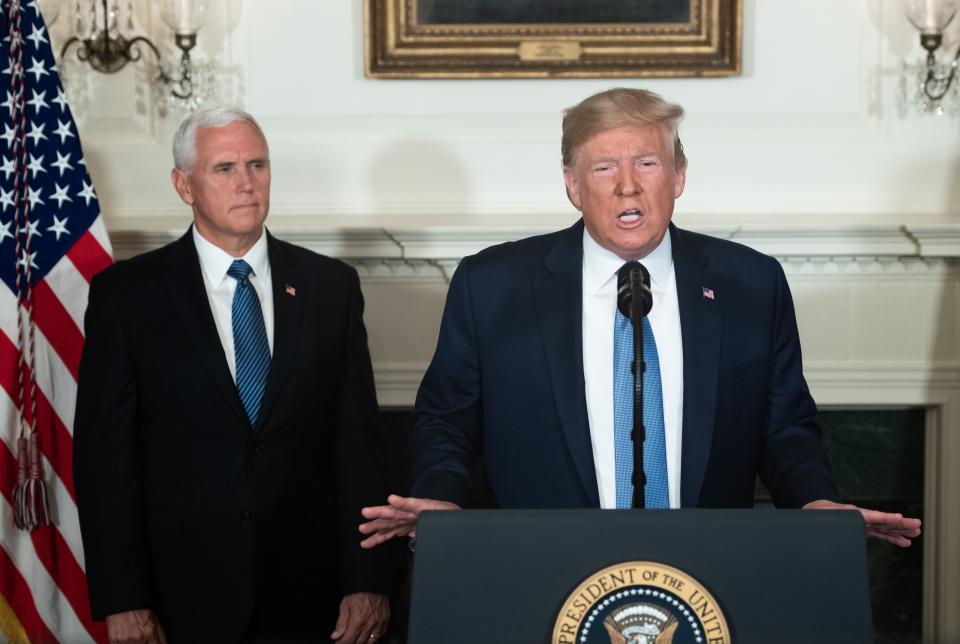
(656, 493)
(249, 341)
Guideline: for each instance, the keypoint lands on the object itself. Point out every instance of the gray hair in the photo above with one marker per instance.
(185, 140)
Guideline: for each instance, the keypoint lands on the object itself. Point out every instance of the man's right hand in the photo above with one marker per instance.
(398, 519)
(135, 627)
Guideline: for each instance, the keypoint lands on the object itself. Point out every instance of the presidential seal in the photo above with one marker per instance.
(640, 602)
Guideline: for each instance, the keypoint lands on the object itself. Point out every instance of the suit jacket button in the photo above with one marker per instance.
(246, 517)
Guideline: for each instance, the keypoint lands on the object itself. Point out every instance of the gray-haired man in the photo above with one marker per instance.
(225, 411)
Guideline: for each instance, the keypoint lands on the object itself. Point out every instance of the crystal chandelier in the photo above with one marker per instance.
(930, 85)
(100, 42)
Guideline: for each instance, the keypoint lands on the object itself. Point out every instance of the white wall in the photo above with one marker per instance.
(809, 129)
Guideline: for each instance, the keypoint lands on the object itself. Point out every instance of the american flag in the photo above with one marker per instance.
(52, 242)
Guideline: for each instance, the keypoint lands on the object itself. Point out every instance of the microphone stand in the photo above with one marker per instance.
(639, 433)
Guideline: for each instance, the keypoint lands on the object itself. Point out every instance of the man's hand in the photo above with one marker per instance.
(135, 627)
(363, 618)
(894, 528)
(398, 519)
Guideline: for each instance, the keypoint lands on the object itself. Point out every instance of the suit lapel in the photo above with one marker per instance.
(289, 293)
(184, 286)
(701, 323)
(559, 302)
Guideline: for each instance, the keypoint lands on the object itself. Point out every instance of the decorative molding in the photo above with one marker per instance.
(941, 240)
(827, 240)
(397, 383)
(421, 238)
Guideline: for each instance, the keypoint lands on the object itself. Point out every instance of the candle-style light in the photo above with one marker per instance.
(931, 18)
(108, 50)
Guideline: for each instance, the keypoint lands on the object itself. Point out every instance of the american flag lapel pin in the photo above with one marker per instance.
(708, 293)
(290, 291)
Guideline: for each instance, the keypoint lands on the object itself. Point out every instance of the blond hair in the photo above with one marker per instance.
(615, 108)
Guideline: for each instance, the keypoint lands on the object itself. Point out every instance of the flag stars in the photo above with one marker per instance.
(37, 36)
(5, 231)
(34, 196)
(8, 134)
(6, 199)
(36, 132)
(28, 259)
(63, 130)
(60, 194)
(31, 229)
(60, 100)
(14, 68)
(11, 102)
(35, 166)
(62, 163)
(37, 69)
(9, 166)
(37, 102)
(59, 227)
(87, 193)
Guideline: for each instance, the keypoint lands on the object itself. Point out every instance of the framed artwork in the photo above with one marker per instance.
(552, 38)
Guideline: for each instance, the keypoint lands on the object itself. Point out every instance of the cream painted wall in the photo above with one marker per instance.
(809, 129)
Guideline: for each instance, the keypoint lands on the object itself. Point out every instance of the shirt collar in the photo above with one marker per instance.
(215, 261)
(601, 265)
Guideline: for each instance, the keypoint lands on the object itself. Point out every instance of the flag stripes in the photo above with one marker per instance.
(88, 253)
(57, 325)
(52, 249)
(14, 587)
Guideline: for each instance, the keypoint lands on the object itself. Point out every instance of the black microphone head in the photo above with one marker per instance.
(633, 280)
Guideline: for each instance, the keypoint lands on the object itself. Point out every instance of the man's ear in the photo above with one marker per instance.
(181, 183)
(679, 181)
(573, 191)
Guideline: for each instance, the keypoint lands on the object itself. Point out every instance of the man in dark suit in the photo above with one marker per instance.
(531, 377)
(226, 416)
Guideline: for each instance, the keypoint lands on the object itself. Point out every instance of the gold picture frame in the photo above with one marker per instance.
(399, 43)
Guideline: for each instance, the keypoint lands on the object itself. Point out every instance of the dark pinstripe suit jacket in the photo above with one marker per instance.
(187, 509)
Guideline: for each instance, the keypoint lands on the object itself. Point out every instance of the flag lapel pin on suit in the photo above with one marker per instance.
(290, 291)
(708, 293)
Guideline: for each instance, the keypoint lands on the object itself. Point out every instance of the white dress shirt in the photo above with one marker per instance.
(600, 268)
(214, 262)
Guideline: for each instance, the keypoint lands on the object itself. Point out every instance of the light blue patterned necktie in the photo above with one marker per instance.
(249, 341)
(656, 493)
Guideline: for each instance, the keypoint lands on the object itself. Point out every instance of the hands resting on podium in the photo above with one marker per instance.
(889, 526)
(399, 519)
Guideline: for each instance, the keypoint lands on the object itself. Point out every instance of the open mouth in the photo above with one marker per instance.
(629, 216)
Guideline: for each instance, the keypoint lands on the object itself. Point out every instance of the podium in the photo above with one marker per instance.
(640, 576)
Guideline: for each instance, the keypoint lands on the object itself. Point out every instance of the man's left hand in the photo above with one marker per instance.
(892, 527)
(364, 618)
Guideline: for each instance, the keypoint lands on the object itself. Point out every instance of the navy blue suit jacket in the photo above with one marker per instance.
(504, 393)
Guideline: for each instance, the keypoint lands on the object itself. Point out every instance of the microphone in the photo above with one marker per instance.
(633, 281)
(635, 300)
